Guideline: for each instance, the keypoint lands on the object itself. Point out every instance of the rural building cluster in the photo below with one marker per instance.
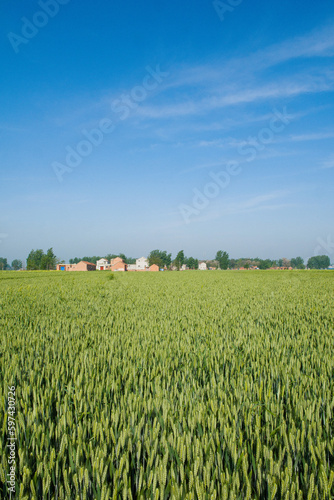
(116, 264)
(141, 264)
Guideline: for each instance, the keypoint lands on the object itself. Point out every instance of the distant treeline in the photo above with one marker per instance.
(38, 260)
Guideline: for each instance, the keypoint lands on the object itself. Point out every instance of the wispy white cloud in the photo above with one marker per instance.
(312, 137)
(215, 142)
(240, 160)
(227, 97)
(307, 137)
(316, 44)
(277, 90)
(198, 90)
(265, 202)
(271, 201)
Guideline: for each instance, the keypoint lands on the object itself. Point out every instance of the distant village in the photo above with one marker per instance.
(159, 260)
(142, 265)
(116, 264)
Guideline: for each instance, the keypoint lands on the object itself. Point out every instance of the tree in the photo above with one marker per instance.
(93, 259)
(155, 258)
(223, 259)
(233, 263)
(3, 264)
(130, 260)
(49, 260)
(110, 256)
(297, 263)
(17, 264)
(166, 258)
(37, 259)
(160, 258)
(191, 263)
(280, 262)
(179, 259)
(318, 262)
(265, 264)
(75, 260)
(34, 260)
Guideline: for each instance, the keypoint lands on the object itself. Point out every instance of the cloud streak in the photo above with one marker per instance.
(201, 89)
(226, 98)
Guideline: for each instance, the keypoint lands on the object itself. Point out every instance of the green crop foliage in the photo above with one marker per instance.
(192, 385)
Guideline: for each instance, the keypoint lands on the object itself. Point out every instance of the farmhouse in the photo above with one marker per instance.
(65, 267)
(102, 264)
(118, 265)
(142, 264)
(202, 266)
(83, 265)
(80, 266)
(116, 261)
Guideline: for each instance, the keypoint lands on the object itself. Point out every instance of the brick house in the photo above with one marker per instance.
(118, 265)
(116, 260)
(65, 267)
(80, 266)
(154, 268)
(83, 265)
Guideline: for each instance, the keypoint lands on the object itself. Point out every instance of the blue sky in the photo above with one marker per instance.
(117, 120)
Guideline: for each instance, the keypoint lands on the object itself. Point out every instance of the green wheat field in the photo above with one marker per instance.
(181, 385)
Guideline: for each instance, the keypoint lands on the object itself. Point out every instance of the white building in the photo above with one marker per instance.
(141, 264)
(102, 264)
(132, 267)
(202, 266)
